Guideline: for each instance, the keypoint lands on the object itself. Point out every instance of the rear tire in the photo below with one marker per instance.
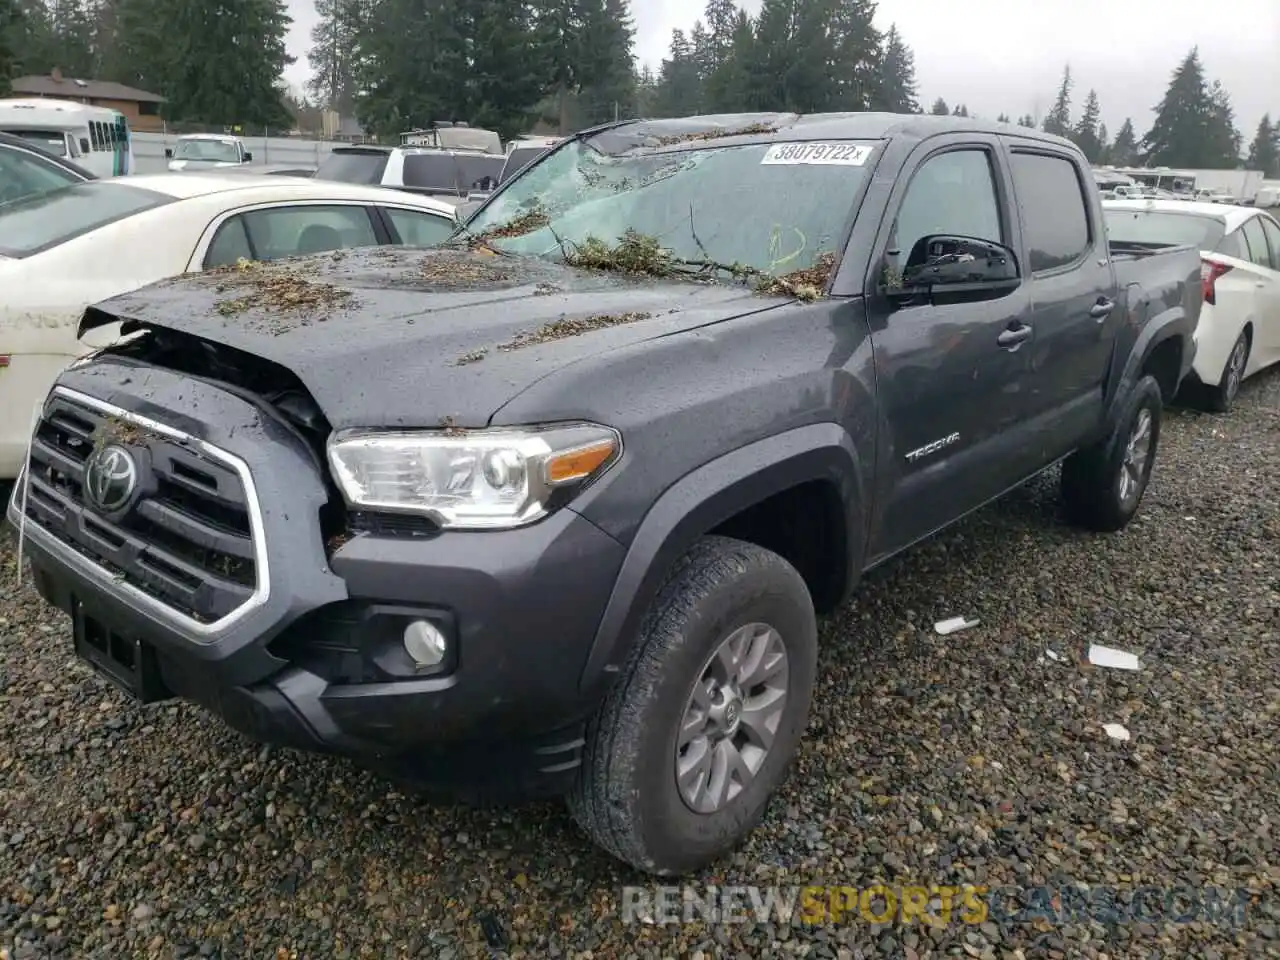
(1103, 485)
(629, 796)
(1221, 397)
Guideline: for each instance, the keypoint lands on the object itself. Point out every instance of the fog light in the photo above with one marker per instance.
(425, 644)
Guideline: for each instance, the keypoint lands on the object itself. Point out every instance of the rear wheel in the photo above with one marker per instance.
(1102, 485)
(1222, 397)
(690, 744)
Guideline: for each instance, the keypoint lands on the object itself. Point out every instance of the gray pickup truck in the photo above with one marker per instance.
(555, 508)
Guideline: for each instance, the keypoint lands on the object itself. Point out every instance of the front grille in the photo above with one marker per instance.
(186, 541)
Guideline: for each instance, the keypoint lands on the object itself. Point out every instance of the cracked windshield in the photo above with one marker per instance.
(690, 201)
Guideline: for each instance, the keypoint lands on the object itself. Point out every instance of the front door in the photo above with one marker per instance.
(951, 378)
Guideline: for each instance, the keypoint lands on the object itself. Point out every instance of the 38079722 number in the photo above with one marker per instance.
(838, 154)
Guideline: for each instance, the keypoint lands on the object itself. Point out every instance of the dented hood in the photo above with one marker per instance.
(398, 337)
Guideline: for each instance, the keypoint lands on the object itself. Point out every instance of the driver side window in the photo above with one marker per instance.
(952, 193)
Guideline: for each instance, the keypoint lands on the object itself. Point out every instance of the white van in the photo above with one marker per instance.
(96, 138)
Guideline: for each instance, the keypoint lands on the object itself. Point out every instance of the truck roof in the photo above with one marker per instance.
(784, 127)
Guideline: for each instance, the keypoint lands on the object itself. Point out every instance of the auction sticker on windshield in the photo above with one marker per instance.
(837, 154)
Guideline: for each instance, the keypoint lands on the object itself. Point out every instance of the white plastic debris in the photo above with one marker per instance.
(954, 625)
(1110, 657)
(1055, 656)
(1116, 731)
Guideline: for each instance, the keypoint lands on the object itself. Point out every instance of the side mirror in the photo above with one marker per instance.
(946, 265)
(248, 157)
(168, 153)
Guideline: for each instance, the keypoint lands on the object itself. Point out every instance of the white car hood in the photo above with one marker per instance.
(200, 164)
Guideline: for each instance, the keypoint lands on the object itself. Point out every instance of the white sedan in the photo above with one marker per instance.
(65, 249)
(1239, 329)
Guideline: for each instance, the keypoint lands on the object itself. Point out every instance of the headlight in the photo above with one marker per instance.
(477, 479)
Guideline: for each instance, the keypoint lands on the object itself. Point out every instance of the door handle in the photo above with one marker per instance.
(1102, 309)
(1013, 337)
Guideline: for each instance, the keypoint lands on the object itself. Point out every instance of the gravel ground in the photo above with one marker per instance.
(934, 760)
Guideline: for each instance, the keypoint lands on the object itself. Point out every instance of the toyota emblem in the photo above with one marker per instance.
(110, 478)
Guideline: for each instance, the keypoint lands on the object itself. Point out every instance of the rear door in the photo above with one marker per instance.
(1267, 335)
(1072, 289)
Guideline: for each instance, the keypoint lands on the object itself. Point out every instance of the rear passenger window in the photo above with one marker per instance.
(307, 229)
(1055, 214)
(419, 229)
(230, 244)
(1272, 230)
(1257, 241)
(1233, 246)
(953, 193)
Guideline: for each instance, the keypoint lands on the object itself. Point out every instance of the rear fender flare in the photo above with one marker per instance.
(1159, 328)
(706, 498)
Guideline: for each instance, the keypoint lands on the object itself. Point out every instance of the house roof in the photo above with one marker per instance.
(72, 88)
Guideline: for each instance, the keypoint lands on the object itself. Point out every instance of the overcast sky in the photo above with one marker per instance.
(1008, 58)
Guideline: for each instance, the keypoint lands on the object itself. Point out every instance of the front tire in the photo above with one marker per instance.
(691, 742)
(1103, 485)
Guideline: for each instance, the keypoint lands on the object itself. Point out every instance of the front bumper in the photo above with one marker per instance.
(311, 663)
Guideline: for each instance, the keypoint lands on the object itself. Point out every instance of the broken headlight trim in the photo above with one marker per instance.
(488, 479)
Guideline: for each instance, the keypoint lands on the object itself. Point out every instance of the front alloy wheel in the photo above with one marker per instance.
(698, 730)
(731, 717)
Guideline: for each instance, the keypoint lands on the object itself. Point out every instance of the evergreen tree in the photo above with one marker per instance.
(725, 81)
(960, 111)
(394, 68)
(135, 47)
(773, 55)
(855, 55)
(505, 83)
(895, 88)
(729, 88)
(1058, 122)
(678, 90)
(57, 34)
(333, 54)
(1124, 151)
(1104, 144)
(646, 92)
(700, 44)
(1003, 118)
(12, 26)
(940, 108)
(1185, 118)
(584, 47)
(1027, 120)
(1223, 141)
(226, 61)
(1085, 134)
(1264, 152)
(606, 89)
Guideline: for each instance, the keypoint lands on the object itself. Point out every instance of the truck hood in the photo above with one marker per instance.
(397, 337)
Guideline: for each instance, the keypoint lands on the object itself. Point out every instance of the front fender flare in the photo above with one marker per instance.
(705, 498)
